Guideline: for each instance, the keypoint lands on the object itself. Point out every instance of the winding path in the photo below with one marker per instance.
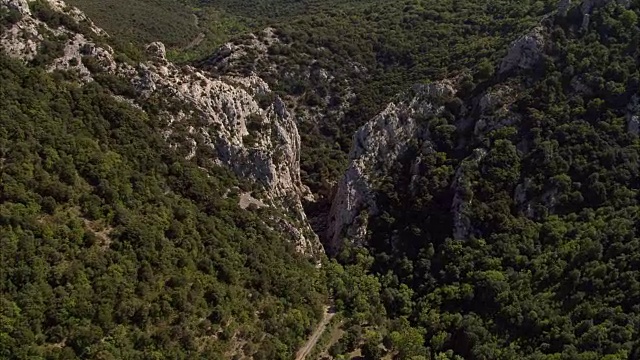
(313, 339)
(195, 42)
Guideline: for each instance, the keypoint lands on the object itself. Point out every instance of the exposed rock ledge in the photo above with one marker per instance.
(379, 142)
(525, 52)
(258, 143)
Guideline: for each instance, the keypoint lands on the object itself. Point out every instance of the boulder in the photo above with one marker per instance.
(21, 6)
(157, 50)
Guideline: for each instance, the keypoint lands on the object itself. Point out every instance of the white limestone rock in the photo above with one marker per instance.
(21, 40)
(21, 5)
(463, 195)
(377, 144)
(76, 14)
(231, 53)
(77, 48)
(224, 114)
(525, 52)
(157, 50)
(497, 97)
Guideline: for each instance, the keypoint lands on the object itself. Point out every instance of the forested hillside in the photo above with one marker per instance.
(117, 248)
(115, 243)
(507, 224)
(472, 168)
(336, 63)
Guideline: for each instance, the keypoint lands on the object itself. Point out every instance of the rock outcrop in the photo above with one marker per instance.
(79, 48)
(22, 38)
(259, 144)
(525, 52)
(461, 187)
(157, 51)
(257, 45)
(376, 145)
(75, 13)
(225, 117)
(22, 6)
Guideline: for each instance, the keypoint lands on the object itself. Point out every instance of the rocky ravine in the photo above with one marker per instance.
(228, 117)
(383, 140)
(223, 116)
(376, 145)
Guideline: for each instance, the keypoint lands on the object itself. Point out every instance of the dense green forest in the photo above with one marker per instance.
(371, 48)
(557, 280)
(113, 246)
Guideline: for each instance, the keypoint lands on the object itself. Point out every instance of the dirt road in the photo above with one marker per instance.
(313, 339)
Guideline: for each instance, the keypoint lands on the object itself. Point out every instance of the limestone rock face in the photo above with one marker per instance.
(494, 107)
(76, 14)
(230, 53)
(496, 98)
(222, 117)
(21, 5)
(380, 143)
(80, 47)
(461, 188)
(260, 144)
(22, 38)
(525, 52)
(157, 50)
(376, 145)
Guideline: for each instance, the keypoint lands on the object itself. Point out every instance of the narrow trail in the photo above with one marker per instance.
(201, 36)
(313, 339)
(195, 42)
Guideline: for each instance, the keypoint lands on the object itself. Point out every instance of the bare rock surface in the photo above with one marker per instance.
(223, 115)
(375, 145)
(525, 52)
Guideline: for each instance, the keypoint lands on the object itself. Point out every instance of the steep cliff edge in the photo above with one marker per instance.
(376, 146)
(477, 120)
(235, 121)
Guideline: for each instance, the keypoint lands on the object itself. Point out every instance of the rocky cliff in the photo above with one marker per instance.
(238, 122)
(376, 145)
(383, 141)
(235, 120)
